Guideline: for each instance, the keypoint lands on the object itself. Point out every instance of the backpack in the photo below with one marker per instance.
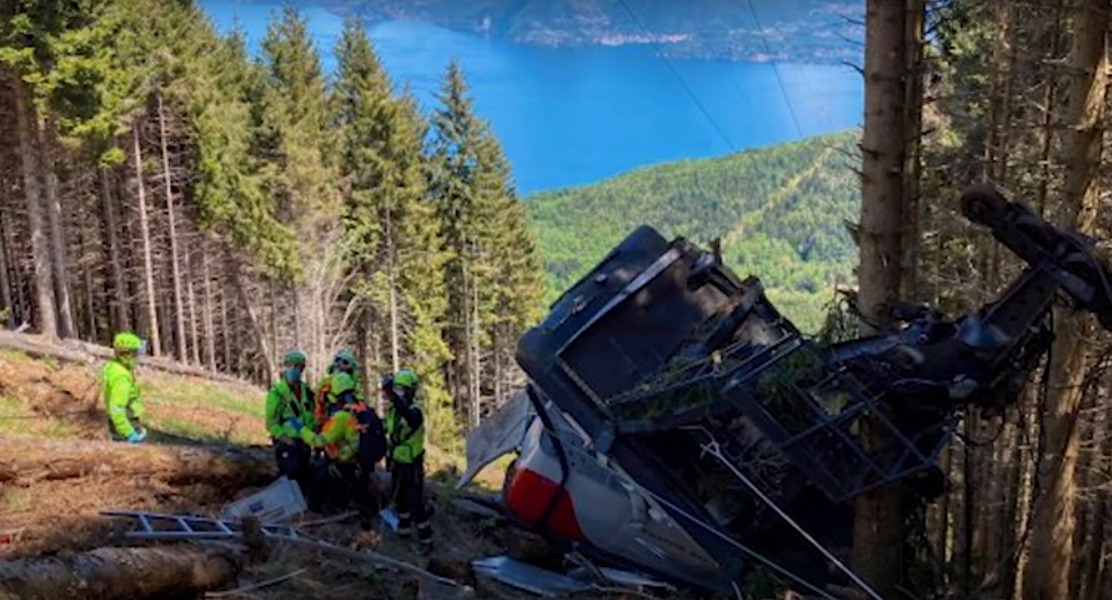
(372, 436)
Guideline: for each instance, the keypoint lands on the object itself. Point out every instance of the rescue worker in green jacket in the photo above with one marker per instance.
(343, 362)
(121, 393)
(340, 479)
(405, 455)
(289, 407)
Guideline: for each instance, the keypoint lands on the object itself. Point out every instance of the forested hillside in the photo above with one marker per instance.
(780, 212)
(156, 179)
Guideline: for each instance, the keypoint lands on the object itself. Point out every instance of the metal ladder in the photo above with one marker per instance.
(157, 526)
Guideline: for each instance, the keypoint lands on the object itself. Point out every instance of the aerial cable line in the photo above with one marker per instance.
(775, 69)
(683, 83)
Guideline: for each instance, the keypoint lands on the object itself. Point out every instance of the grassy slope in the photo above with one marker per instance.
(779, 211)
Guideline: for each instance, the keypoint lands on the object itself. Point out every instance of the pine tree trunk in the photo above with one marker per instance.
(145, 234)
(474, 366)
(1053, 529)
(210, 334)
(121, 317)
(175, 273)
(40, 246)
(913, 111)
(190, 294)
(392, 283)
(66, 327)
(225, 331)
(87, 281)
(879, 514)
(7, 308)
(252, 317)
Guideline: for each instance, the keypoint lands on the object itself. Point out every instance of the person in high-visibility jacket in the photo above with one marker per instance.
(121, 393)
(405, 455)
(340, 479)
(343, 362)
(289, 407)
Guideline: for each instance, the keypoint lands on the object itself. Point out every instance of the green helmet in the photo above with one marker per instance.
(127, 341)
(295, 357)
(339, 383)
(406, 378)
(347, 356)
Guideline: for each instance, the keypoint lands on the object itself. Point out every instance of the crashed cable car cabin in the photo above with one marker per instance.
(678, 412)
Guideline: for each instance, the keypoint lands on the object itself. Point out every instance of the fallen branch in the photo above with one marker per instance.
(124, 573)
(255, 586)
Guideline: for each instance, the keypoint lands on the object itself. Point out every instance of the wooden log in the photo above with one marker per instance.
(125, 573)
(76, 351)
(221, 466)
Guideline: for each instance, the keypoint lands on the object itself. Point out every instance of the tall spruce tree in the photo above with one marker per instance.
(494, 287)
(295, 143)
(393, 234)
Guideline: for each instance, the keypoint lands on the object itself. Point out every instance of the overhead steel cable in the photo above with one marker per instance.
(775, 69)
(683, 82)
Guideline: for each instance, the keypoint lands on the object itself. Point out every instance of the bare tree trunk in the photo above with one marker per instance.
(210, 335)
(7, 308)
(391, 267)
(175, 273)
(87, 282)
(225, 330)
(40, 247)
(57, 236)
(121, 320)
(473, 366)
(913, 113)
(194, 341)
(252, 317)
(145, 234)
(1053, 529)
(879, 514)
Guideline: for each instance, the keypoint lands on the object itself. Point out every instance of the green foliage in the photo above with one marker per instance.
(780, 212)
(392, 230)
(492, 266)
(293, 138)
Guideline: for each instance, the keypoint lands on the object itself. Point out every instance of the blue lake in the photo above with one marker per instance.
(575, 116)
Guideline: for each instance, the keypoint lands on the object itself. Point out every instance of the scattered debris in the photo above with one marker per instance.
(155, 527)
(278, 502)
(525, 576)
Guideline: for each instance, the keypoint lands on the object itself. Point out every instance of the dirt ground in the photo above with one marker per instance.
(50, 413)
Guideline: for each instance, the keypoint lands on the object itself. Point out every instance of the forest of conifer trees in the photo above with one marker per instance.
(1015, 93)
(156, 178)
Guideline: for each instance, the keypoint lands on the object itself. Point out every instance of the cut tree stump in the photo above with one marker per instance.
(124, 573)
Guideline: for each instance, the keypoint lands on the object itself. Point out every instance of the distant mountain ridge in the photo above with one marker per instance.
(780, 213)
(805, 31)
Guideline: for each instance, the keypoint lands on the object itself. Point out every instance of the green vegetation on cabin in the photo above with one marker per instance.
(780, 213)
